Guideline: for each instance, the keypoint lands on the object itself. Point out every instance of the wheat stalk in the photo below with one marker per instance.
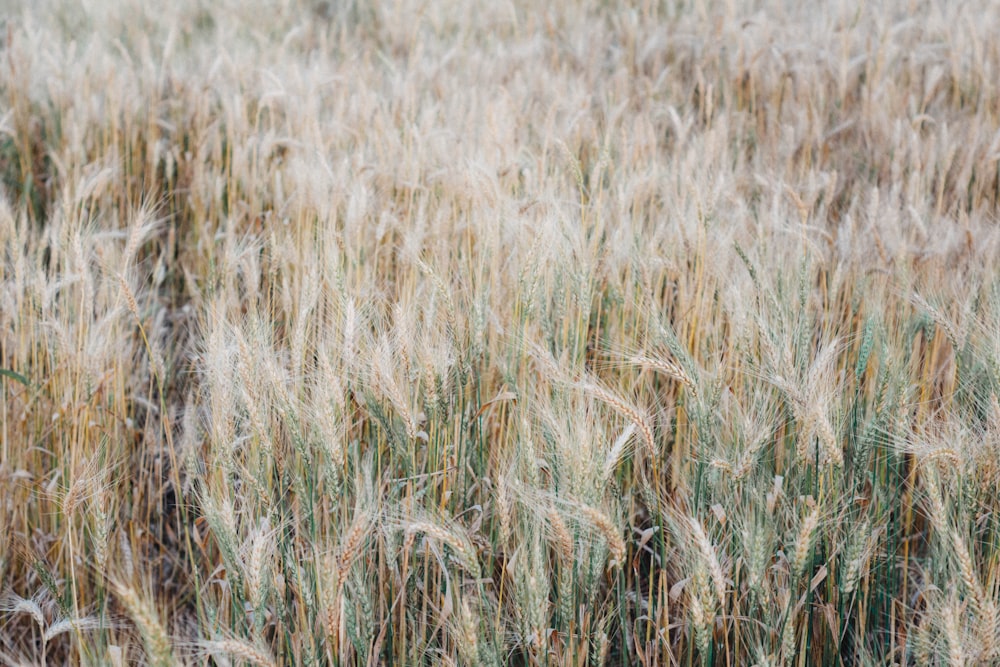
(159, 649)
(458, 542)
(630, 412)
(242, 650)
(709, 557)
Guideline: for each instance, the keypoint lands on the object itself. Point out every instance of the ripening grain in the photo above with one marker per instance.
(513, 333)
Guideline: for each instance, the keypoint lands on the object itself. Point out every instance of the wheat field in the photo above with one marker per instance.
(510, 333)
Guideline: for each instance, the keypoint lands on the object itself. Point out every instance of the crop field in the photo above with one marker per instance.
(446, 332)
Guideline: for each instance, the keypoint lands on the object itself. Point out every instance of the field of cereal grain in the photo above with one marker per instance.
(536, 334)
